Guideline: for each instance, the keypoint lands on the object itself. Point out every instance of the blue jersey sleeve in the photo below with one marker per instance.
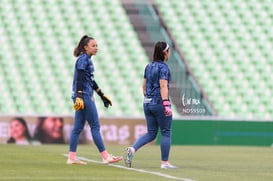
(164, 72)
(82, 62)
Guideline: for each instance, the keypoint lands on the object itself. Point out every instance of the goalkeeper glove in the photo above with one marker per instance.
(106, 100)
(167, 107)
(79, 104)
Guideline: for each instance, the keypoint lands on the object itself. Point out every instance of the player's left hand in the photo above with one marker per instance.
(106, 101)
(167, 107)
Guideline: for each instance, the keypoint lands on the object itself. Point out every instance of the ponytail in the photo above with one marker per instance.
(159, 50)
(80, 48)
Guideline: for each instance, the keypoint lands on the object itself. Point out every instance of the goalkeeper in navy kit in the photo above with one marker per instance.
(83, 87)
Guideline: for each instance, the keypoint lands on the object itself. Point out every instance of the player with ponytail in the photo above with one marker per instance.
(156, 105)
(83, 87)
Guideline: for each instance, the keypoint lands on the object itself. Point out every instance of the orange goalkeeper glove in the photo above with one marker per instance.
(79, 104)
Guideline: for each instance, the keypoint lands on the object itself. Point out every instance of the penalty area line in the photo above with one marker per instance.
(134, 169)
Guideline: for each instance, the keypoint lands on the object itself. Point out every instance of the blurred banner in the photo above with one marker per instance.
(56, 130)
(222, 132)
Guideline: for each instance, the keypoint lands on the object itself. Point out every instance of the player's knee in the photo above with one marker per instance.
(95, 128)
(152, 135)
(77, 129)
(166, 132)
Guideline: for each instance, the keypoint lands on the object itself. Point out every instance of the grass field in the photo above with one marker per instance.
(201, 163)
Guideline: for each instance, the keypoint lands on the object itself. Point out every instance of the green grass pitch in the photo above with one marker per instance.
(200, 163)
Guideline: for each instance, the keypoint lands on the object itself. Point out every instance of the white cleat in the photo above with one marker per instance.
(129, 157)
(167, 166)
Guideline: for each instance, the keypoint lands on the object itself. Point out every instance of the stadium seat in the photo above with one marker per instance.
(47, 32)
(228, 46)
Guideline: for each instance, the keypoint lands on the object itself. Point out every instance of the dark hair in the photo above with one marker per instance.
(159, 51)
(83, 42)
(26, 133)
(42, 136)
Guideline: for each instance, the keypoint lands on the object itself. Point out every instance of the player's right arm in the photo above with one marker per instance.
(165, 96)
(79, 104)
(144, 87)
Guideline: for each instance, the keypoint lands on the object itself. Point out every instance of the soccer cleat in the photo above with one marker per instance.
(112, 159)
(129, 157)
(77, 162)
(167, 166)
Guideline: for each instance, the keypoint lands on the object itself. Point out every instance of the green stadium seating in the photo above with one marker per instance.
(37, 40)
(228, 45)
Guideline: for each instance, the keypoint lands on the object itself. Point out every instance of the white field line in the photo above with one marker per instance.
(134, 169)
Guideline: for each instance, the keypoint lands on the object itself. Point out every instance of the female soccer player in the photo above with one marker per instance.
(85, 109)
(157, 107)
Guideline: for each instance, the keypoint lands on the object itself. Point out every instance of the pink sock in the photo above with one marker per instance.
(164, 161)
(72, 155)
(104, 154)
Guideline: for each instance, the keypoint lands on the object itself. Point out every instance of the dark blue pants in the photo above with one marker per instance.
(155, 118)
(89, 114)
